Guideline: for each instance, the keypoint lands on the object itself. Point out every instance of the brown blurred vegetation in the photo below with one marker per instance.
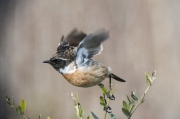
(144, 37)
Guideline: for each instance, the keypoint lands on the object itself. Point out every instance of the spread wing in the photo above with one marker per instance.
(73, 38)
(91, 45)
(65, 50)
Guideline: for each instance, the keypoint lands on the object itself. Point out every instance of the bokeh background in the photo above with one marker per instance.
(145, 36)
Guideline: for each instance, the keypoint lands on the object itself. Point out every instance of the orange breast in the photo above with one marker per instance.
(87, 77)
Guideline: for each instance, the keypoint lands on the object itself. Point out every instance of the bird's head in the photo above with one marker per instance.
(66, 50)
(56, 63)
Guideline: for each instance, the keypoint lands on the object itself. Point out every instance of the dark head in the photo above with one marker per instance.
(65, 52)
(56, 63)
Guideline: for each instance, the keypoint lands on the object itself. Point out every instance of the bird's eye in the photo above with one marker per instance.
(58, 60)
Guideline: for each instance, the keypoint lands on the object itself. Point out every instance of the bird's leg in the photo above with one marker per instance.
(111, 97)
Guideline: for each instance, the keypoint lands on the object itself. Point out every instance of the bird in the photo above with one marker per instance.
(73, 58)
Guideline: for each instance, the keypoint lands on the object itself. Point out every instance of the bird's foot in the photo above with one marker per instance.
(107, 109)
(110, 96)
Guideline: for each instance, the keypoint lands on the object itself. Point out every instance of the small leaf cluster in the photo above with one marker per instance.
(77, 105)
(104, 101)
(132, 104)
(150, 79)
(19, 109)
(129, 106)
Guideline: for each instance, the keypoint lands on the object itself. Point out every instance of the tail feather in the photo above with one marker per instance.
(117, 78)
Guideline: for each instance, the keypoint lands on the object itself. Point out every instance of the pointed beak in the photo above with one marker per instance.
(46, 61)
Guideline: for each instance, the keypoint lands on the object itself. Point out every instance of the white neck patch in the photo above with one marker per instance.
(71, 68)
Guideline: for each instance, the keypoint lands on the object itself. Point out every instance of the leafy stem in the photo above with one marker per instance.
(130, 107)
(108, 101)
(139, 102)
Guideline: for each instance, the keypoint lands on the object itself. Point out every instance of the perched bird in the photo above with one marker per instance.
(73, 58)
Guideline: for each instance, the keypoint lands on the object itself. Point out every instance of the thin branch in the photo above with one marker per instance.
(141, 100)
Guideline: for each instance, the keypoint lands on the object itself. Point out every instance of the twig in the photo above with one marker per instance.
(141, 100)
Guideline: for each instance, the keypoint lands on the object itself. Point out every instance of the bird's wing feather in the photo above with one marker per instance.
(65, 50)
(73, 38)
(65, 53)
(91, 45)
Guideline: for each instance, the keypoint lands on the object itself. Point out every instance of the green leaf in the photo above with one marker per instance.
(134, 96)
(23, 105)
(101, 99)
(128, 99)
(133, 102)
(79, 111)
(88, 117)
(95, 117)
(126, 112)
(19, 110)
(131, 108)
(104, 90)
(112, 116)
(39, 117)
(148, 79)
(125, 105)
(103, 104)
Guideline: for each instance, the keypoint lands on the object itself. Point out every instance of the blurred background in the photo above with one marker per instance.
(144, 37)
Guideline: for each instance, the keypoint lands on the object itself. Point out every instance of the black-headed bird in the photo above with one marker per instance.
(73, 58)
